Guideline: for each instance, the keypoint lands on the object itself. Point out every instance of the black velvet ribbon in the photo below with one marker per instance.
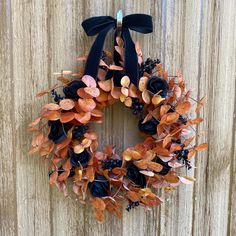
(100, 25)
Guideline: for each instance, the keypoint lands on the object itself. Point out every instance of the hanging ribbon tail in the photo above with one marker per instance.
(131, 58)
(96, 25)
(93, 60)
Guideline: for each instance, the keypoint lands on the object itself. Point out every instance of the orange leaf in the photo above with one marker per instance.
(94, 92)
(63, 144)
(89, 81)
(105, 85)
(119, 171)
(114, 67)
(129, 154)
(201, 147)
(96, 113)
(175, 147)
(81, 58)
(143, 83)
(86, 143)
(42, 93)
(63, 176)
(147, 173)
(133, 196)
(38, 140)
(51, 106)
(186, 180)
(115, 93)
(171, 177)
(51, 115)
(191, 153)
(100, 156)
(83, 117)
(64, 79)
(146, 97)
(35, 122)
(78, 148)
(125, 81)
(93, 147)
(91, 135)
(183, 107)
(82, 94)
(34, 150)
(86, 104)
(188, 141)
(46, 148)
(67, 165)
(200, 104)
(166, 141)
(164, 109)
(155, 166)
(196, 121)
(159, 150)
(142, 164)
(53, 177)
(177, 91)
(103, 63)
(103, 97)
(99, 215)
(67, 117)
(98, 203)
(169, 118)
(157, 99)
(63, 152)
(128, 102)
(67, 104)
(133, 91)
(90, 173)
(125, 91)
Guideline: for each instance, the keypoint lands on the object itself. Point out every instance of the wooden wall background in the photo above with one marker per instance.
(38, 38)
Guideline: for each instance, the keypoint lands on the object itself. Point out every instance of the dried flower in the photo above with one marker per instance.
(70, 90)
(155, 85)
(149, 127)
(99, 187)
(79, 159)
(135, 176)
(57, 132)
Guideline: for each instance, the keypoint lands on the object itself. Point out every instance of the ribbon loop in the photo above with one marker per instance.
(100, 25)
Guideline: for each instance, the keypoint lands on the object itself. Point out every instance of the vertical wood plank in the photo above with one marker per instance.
(8, 214)
(217, 81)
(139, 221)
(30, 70)
(38, 38)
(177, 52)
(108, 131)
(65, 43)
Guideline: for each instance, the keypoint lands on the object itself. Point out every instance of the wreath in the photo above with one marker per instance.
(161, 103)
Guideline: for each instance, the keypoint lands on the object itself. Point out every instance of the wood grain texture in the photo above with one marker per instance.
(38, 38)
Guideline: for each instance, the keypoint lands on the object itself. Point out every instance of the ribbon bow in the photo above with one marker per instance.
(101, 25)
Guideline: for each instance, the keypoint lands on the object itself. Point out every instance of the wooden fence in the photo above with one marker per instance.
(39, 37)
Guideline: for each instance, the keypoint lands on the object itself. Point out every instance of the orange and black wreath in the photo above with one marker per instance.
(161, 103)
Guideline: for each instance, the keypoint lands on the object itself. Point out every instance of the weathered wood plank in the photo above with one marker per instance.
(65, 43)
(8, 215)
(139, 221)
(217, 81)
(30, 74)
(38, 38)
(179, 52)
(108, 131)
